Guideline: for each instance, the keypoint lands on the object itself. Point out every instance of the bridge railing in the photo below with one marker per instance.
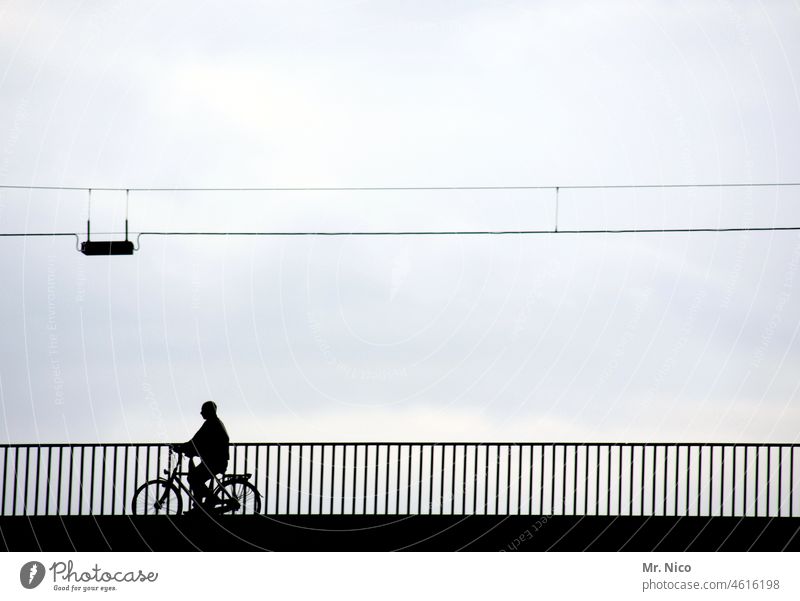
(617, 479)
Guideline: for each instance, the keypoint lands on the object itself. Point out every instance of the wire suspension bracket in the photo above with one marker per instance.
(555, 228)
(106, 247)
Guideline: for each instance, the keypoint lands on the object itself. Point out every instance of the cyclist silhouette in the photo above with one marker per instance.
(210, 444)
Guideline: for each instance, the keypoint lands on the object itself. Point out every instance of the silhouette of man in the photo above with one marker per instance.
(210, 444)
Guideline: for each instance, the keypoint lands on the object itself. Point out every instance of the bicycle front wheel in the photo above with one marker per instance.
(157, 497)
(246, 494)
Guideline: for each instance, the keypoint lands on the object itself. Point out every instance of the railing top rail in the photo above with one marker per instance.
(421, 443)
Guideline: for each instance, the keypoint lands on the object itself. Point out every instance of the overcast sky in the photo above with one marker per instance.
(540, 338)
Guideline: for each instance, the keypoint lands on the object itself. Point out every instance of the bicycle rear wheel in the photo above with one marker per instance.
(157, 497)
(246, 494)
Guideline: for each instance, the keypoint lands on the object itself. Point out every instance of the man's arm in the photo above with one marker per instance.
(198, 441)
(190, 447)
(182, 448)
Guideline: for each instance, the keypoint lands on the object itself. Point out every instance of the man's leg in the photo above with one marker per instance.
(198, 476)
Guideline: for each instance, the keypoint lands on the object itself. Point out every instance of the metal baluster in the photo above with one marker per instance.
(485, 472)
(355, 463)
(688, 472)
(344, 467)
(769, 478)
(475, 483)
(71, 464)
(430, 487)
(630, 480)
(757, 486)
(388, 470)
(642, 481)
(710, 480)
(780, 481)
(36, 480)
(49, 479)
(452, 480)
(124, 482)
(519, 480)
(791, 481)
(376, 472)
(256, 471)
(297, 491)
(699, 477)
(333, 478)
(575, 455)
(27, 476)
(733, 478)
(664, 492)
(541, 480)
(619, 482)
(278, 481)
(397, 486)
(3, 490)
(574, 479)
(147, 464)
(16, 481)
(553, 481)
(80, 483)
(722, 484)
(289, 480)
(169, 457)
(300, 481)
(563, 479)
(653, 482)
(677, 461)
(586, 480)
(408, 485)
(266, 478)
(157, 450)
(255, 448)
(419, 483)
(474, 480)
(508, 479)
(321, 479)
(596, 479)
(530, 483)
(146, 476)
(103, 482)
(441, 481)
(608, 480)
(746, 471)
(58, 477)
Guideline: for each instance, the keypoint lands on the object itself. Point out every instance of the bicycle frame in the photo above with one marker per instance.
(231, 492)
(175, 478)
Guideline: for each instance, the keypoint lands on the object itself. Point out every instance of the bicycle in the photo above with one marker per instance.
(162, 496)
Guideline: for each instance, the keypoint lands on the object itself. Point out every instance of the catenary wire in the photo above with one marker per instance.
(433, 232)
(555, 230)
(398, 188)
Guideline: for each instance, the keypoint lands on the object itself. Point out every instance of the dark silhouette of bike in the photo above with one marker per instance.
(233, 493)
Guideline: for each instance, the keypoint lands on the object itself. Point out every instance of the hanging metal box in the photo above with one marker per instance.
(107, 247)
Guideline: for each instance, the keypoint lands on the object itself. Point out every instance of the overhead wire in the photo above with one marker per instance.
(686, 230)
(400, 188)
(554, 230)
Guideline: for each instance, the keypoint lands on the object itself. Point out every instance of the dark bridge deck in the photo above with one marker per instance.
(391, 533)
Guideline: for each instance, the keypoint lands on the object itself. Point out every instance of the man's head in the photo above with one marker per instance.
(209, 409)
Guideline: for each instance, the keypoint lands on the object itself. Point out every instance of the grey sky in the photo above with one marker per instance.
(657, 337)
